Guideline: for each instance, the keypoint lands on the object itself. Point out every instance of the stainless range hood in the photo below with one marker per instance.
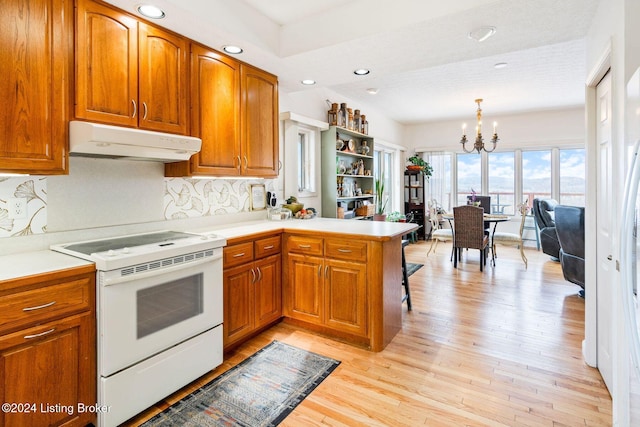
(97, 140)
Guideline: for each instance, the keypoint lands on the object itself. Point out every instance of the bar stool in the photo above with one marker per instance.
(405, 278)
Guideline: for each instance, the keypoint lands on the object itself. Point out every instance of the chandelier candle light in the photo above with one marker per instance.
(479, 142)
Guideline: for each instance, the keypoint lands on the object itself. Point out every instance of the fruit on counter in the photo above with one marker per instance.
(291, 200)
(305, 213)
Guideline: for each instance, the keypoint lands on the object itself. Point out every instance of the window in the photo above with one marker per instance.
(536, 175)
(385, 167)
(572, 177)
(510, 177)
(439, 185)
(306, 165)
(502, 182)
(469, 170)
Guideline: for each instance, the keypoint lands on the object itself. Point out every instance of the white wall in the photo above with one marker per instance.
(537, 129)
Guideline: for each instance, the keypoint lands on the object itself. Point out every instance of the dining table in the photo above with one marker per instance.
(490, 218)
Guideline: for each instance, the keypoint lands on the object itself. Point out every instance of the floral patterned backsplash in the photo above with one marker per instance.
(183, 198)
(34, 190)
(192, 198)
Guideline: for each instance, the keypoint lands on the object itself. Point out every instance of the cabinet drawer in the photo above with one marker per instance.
(37, 305)
(241, 253)
(344, 249)
(266, 247)
(305, 245)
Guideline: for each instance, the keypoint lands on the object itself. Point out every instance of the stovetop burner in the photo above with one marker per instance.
(97, 246)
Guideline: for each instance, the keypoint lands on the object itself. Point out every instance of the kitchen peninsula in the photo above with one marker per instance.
(340, 278)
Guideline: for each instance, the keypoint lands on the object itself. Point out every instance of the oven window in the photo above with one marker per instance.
(165, 305)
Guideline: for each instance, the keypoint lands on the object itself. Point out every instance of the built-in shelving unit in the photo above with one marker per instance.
(415, 199)
(347, 174)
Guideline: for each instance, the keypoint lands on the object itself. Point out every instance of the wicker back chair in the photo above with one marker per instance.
(469, 232)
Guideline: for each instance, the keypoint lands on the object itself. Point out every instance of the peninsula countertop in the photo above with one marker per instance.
(371, 230)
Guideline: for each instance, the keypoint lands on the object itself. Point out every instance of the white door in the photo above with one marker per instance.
(604, 252)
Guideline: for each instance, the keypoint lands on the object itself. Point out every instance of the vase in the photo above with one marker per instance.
(414, 168)
(379, 217)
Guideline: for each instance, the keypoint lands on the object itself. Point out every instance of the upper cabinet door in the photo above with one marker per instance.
(107, 65)
(215, 97)
(36, 65)
(163, 80)
(259, 118)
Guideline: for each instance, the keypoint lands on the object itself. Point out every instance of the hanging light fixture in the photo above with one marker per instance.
(479, 142)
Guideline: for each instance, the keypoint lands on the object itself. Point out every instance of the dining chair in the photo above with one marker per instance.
(438, 234)
(512, 239)
(469, 233)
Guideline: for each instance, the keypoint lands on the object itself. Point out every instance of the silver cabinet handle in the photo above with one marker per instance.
(269, 247)
(259, 274)
(254, 275)
(144, 106)
(304, 246)
(238, 255)
(239, 162)
(41, 334)
(326, 272)
(38, 307)
(135, 108)
(344, 251)
(246, 162)
(319, 271)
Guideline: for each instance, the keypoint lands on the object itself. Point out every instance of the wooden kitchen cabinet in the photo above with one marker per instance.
(215, 115)
(326, 283)
(48, 348)
(235, 113)
(252, 282)
(259, 122)
(129, 73)
(36, 41)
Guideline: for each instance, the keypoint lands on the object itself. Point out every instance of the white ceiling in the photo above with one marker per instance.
(422, 62)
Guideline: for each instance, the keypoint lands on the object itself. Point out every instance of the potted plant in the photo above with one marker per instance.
(381, 201)
(419, 164)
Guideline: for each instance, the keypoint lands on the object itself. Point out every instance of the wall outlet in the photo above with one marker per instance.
(18, 208)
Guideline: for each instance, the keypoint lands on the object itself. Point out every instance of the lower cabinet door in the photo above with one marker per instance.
(305, 286)
(238, 302)
(346, 296)
(47, 374)
(268, 290)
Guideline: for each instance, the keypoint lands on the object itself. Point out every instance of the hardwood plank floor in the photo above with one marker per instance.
(497, 348)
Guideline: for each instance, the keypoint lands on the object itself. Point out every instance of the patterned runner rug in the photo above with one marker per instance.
(260, 391)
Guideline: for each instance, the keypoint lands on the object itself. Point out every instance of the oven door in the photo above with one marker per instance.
(139, 317)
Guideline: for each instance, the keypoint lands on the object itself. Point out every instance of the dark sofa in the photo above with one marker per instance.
(570, 230)
(544, 214)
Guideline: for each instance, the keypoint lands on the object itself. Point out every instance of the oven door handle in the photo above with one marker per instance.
(187, 265)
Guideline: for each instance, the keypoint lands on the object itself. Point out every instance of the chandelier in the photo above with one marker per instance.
(479, 142)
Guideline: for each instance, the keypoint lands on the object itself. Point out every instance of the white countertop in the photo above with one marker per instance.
(374, 229)
(31, 263)
(23, 264)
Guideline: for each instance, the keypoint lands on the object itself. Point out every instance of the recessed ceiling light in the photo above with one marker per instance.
(480, 34)
(361, 72)
(372, 90)
(308, 82)
(500, 65)
(232, 49)
(151, 11)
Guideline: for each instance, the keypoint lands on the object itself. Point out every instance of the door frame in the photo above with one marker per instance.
(590, 342)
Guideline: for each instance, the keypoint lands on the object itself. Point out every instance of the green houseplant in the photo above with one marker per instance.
(381, 201)
(418, 163)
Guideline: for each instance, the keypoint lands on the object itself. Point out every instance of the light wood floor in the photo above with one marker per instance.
(498, 348)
